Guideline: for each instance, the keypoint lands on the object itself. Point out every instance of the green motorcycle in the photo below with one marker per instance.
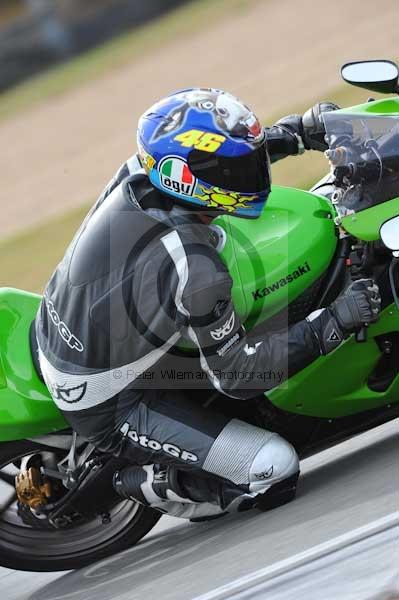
(58, 510)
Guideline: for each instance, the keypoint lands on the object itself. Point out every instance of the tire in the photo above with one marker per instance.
(31, 549)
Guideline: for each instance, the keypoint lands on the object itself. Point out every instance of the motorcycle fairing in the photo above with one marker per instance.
(26, 407)
(276, 257)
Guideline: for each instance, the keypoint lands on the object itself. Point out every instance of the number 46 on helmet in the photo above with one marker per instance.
(206, 149)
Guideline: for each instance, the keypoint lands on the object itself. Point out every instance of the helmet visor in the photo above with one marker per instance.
(248, 173)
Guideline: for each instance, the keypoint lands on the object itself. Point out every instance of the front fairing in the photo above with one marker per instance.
(364, 157)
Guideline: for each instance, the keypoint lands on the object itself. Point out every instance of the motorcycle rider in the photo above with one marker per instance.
(143, 274)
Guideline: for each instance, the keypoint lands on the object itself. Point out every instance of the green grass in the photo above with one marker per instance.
(28, 259)
(124, 49)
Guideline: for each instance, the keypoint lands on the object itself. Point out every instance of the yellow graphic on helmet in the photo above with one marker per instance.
(147, 160)
(217, 198)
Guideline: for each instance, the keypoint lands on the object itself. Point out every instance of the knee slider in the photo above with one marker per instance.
(275, 461)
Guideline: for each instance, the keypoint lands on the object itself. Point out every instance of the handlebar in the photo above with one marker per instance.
(364, 164)
(357, 172)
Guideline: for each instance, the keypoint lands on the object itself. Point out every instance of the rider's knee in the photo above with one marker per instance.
(276, 460)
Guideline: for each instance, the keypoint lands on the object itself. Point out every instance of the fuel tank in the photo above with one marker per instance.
(275, 258)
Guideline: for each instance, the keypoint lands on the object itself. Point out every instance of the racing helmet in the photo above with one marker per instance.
(207, 150)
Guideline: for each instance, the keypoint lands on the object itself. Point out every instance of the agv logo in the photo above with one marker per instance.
(175, 176)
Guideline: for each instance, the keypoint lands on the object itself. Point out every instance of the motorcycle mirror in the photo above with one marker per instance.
(376, 75)
(389, 233)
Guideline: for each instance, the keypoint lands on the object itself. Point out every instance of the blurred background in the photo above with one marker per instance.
(35, 34)
(75, 75)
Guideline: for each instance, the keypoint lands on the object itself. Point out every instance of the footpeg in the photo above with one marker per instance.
(31, 489)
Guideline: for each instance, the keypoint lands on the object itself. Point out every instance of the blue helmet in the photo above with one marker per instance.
(205, 148)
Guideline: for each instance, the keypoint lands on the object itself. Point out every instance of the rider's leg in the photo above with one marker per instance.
(214, 463)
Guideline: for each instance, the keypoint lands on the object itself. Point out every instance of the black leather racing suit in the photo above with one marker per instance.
(140, 277)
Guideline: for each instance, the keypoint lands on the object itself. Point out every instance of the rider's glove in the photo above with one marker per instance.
(313, 130)
(359, 305)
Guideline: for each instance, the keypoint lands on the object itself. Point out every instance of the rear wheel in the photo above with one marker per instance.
(42, 547)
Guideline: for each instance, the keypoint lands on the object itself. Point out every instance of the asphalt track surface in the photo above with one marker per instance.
(341, 489)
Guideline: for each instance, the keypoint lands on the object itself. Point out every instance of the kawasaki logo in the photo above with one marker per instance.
(274, 287)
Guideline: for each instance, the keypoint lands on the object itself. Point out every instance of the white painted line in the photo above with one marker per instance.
(298, 560)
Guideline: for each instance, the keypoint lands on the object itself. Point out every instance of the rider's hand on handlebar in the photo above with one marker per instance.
(313, 126)
(359, 305)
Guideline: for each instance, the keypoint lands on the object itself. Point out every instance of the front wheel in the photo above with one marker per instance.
(44, 548)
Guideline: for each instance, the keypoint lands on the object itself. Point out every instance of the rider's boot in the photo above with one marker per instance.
(157, 486)
(198, 495)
